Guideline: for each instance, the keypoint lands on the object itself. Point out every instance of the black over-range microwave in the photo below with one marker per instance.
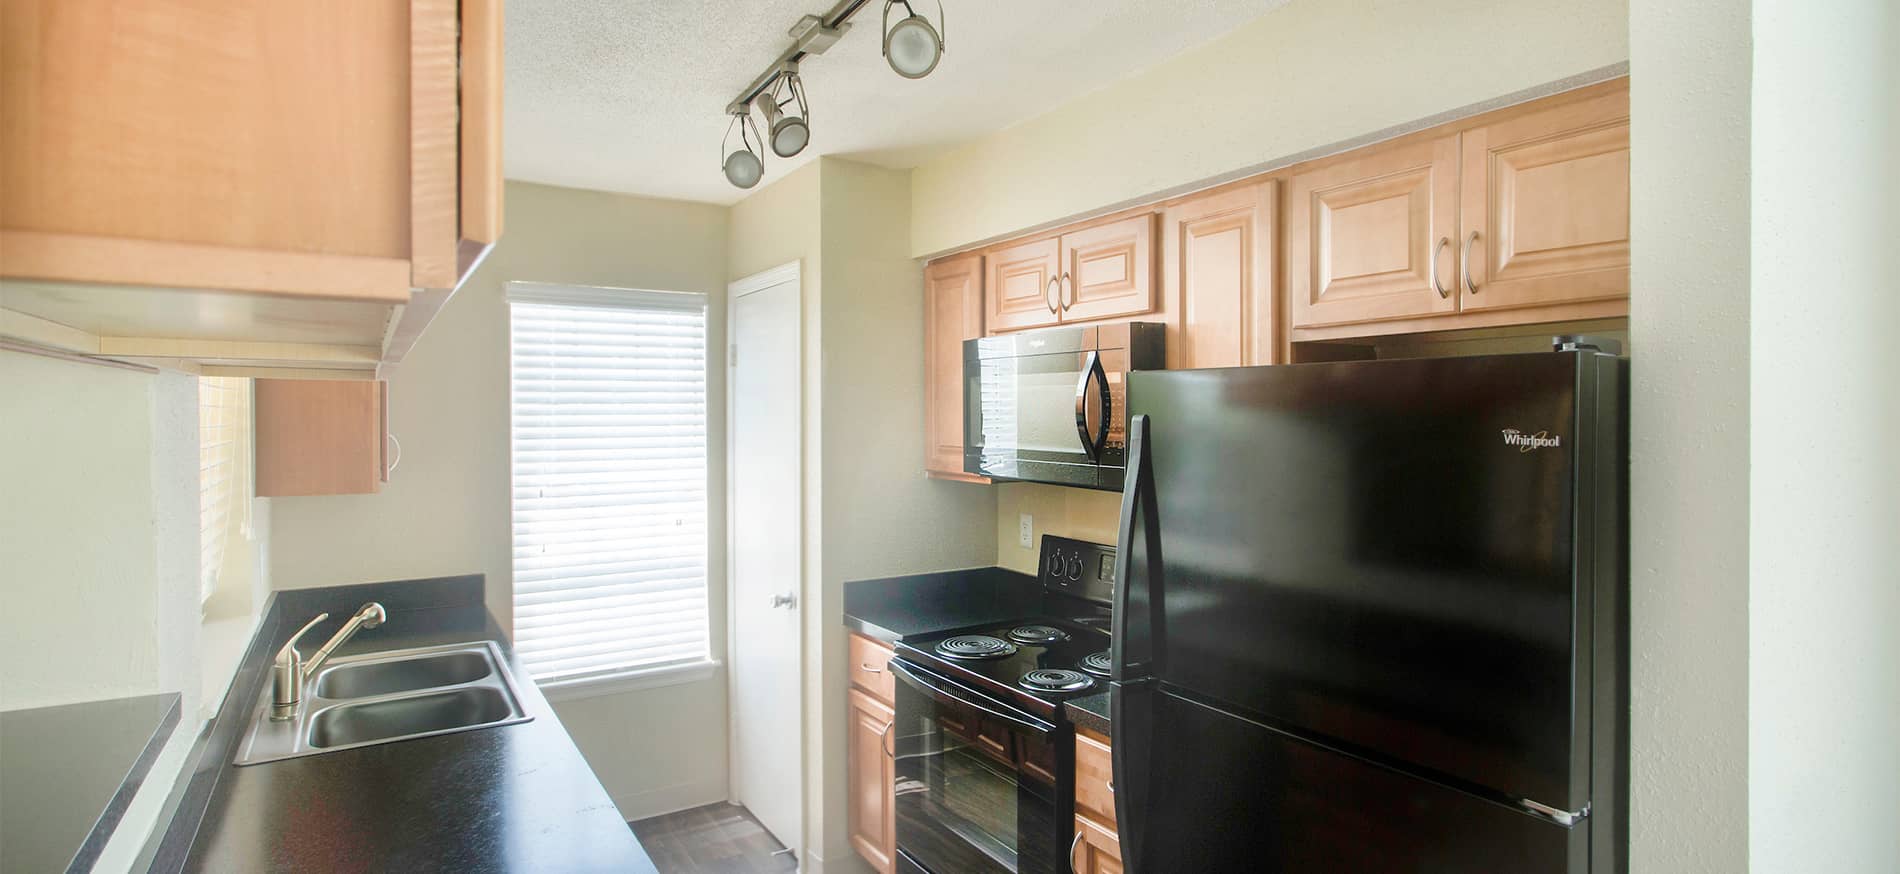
(1049, 405)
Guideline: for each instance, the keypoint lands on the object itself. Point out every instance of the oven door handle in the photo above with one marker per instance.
(943, 689)
(1092, 444)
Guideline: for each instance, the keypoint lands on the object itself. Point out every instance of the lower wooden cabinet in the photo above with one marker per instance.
(1096, 849)
(321, 436)
(871, 765)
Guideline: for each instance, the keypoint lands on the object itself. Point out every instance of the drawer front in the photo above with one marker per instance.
(1094, 778)
(870, 668)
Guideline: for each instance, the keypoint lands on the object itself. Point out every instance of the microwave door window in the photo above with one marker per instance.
(1028, 405)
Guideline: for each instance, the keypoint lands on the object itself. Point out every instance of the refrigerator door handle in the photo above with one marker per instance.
(1135, 640)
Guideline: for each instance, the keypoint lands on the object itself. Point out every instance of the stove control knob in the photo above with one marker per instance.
(1075, 568)
(1055, 564)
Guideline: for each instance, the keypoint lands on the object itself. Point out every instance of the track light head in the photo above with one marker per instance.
(788, 134)
(743, 166)
(912, 47)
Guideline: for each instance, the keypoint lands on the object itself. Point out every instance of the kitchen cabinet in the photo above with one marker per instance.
(290, 185)
(870, 758)
(320, 436)
(1218, 267)
(1097, 849)
(1019, 289)
(1099, 271)
(953, 313)
(1369, 236)
(1519, 216)
(1108, 270)
(1545, 207)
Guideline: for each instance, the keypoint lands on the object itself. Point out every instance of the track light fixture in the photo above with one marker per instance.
(746, 164)
(788, 134)
(913, 47)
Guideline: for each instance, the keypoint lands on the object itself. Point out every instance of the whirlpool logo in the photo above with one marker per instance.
(1527, 442)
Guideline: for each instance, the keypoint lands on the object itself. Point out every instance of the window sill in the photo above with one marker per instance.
(613, 684)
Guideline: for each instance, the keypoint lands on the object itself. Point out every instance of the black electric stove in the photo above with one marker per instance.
(985, 758)
(1036, 661)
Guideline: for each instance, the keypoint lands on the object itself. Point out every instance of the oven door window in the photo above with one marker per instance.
(975, 793)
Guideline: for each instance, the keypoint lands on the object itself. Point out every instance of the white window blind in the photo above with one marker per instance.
(609, 459)
(223, 486)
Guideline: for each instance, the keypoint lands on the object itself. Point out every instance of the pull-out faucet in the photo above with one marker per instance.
(289, 670)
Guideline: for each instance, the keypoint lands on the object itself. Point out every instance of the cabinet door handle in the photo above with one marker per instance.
(1437, 286)
(870, 668)
(1052, 293)
(1066, 292)
(884, 740)
(398, 459)
(1072, 847)
(1464, 264)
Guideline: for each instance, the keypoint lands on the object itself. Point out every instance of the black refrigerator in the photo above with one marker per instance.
(1371, 617)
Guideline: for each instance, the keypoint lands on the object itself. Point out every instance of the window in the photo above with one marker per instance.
(223, 472)
(609, 491)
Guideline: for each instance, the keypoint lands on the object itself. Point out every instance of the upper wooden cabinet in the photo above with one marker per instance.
(1518, 216)
(1100, 271)
(1021, 287)
(1108, 270)
(1545, 210)
(1370, 237)
(321, 437)
(283, 184)
(1218, 268)
(953, 313)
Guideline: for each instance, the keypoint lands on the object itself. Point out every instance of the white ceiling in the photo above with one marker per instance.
(629, 95)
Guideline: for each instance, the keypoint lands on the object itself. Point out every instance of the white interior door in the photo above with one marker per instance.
(762, 425)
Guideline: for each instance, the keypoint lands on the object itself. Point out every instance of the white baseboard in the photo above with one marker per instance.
(668, 799)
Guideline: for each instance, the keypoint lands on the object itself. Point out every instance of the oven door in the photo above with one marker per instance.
(1044, 406)
(981, 786)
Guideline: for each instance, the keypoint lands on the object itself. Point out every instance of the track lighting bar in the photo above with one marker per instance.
(811, 36)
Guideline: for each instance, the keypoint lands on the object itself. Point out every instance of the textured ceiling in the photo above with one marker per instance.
(629, 95)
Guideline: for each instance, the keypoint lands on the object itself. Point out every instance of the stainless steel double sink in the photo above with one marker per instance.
(382, 697)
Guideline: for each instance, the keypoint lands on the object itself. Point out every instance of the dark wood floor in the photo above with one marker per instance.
(715, 839)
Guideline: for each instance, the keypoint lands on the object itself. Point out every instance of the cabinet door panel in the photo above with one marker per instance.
(953, 313)
(871, 816)
(1370, 237)
(1547, 194)
(319, 436)
(1096, 850)
(1017, 292)
(1218, 269)
(1109, 270)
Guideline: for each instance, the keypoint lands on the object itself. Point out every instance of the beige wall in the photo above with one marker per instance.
(98, 533)
(1689, 491)
(868, 509)
(1305, 75)
(1824, 503)
(446, 508)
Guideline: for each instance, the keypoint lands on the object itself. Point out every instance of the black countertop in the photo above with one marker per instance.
(1090, 712)
(893, 608)
(70, 771)
(512, 798)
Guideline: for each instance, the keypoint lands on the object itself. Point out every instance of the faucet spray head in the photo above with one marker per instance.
(372, 614)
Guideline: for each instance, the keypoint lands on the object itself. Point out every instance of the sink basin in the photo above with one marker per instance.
(408, 716)
(384, 697)
(401, 675)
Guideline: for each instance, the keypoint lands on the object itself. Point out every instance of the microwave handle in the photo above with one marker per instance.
(1092, 444)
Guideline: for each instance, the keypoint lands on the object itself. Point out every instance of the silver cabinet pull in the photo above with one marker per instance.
(871, 668)
(1066, 292)
(1052, 293)
(884, 739)
(1072, 845)
(1464, 264)
(1437, 286)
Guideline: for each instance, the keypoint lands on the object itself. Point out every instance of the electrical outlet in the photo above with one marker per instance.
(1026, 531)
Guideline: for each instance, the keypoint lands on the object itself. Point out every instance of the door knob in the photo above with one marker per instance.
(787, 600)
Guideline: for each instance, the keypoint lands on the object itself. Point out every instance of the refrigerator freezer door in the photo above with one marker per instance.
(1381, 556)
(1271, 802)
